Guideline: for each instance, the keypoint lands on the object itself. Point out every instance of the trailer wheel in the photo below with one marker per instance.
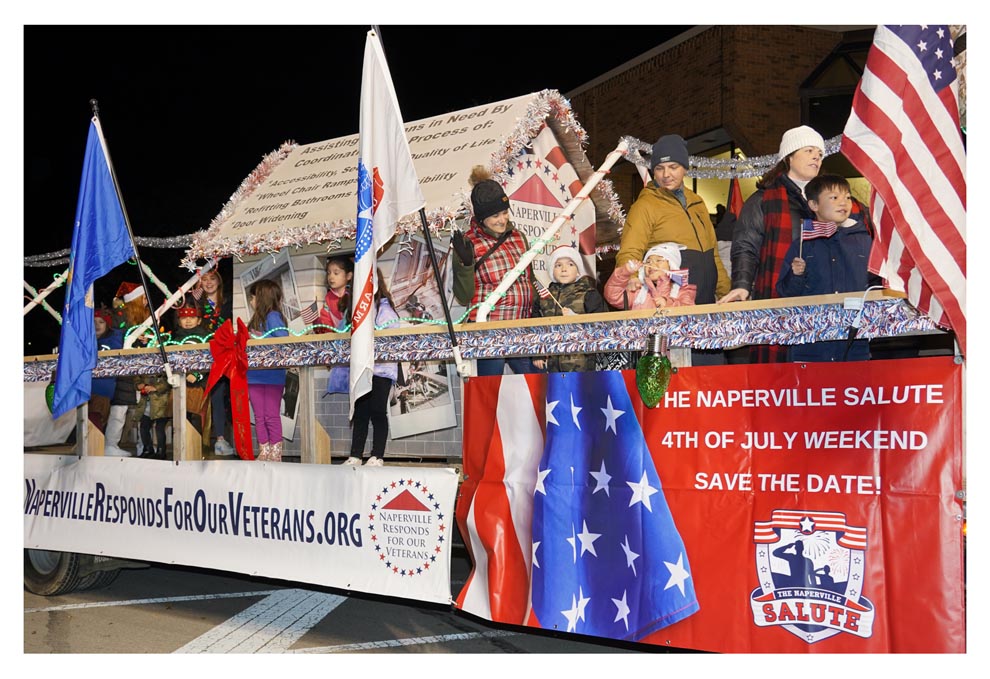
(98, 579)
(50, 573)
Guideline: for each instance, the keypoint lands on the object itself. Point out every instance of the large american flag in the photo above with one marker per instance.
(565, 512)
(903, 136)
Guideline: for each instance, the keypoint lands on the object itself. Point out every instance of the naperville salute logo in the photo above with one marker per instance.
(810, 566)
(408, 528)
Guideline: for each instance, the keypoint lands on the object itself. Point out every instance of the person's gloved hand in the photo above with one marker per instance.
(464, 249)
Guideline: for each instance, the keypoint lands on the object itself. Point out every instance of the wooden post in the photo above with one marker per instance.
(179, 423)
(313, 438)
(82, 430)
(187, 444)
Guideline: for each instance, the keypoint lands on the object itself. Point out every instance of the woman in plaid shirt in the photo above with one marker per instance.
(486, 253)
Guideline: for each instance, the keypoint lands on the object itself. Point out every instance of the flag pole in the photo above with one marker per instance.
(137, 257)
(462, 368)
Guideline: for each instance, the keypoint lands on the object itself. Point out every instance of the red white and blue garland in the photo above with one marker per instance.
(885, 317)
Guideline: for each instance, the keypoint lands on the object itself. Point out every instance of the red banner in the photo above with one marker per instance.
(816, 503)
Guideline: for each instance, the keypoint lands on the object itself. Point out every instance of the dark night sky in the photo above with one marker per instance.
(189, 111)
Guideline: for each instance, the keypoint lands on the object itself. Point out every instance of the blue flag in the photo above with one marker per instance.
(607, 558)
(100, 242)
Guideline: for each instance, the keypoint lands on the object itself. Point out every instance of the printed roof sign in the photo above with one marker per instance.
(304, 194)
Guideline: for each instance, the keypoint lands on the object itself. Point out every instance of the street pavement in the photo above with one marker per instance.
(167, 609)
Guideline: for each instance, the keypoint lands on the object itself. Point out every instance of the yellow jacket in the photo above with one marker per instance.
(657, 217)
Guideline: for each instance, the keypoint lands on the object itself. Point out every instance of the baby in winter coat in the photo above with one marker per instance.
(656, 282)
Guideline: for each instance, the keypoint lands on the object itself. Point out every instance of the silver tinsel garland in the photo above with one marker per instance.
(884, 317)
(61, 257)
(703, 167)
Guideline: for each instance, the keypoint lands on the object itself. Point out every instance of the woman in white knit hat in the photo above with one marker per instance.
(770, 220)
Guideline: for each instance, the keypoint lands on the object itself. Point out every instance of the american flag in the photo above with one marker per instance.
(576, 534)
(812, 229)
(903, 135)
(679, 277)
(311, 313)
(541, 290)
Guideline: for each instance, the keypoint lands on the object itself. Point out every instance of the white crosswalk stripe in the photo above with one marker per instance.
(271, 625)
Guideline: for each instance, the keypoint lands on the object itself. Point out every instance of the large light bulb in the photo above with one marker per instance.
(653, 371)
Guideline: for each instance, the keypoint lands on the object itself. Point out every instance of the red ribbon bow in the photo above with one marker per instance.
(229, 350)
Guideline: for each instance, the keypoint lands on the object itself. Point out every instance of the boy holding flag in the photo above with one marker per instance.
(829, 257)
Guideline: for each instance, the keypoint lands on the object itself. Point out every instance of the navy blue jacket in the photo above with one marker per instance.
(835, 264)
(105, 386)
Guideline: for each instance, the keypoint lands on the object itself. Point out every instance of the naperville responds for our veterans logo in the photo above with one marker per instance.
(810, 565)
(408, 528)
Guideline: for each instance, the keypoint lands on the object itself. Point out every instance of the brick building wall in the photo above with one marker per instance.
(744, 79)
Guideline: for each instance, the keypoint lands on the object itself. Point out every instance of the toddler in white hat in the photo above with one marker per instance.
(656, 282)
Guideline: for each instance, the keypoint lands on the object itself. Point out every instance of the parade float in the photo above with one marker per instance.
(787, 508)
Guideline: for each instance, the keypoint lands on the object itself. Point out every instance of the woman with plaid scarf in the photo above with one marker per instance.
(486, 253)
(770, 220)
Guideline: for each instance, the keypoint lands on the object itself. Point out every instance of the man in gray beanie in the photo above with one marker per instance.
(668, 212)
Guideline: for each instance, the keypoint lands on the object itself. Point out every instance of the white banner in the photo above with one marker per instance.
(317, 183)
(381, 530)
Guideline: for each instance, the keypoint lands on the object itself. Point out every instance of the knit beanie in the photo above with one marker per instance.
(487, 199)
(797, 138)
(567, 252)
(103, 313)
(669, 251)
(670, 148)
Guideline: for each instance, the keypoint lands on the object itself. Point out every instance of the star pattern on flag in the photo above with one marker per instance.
(550, 416)
(611, 415)
(582, 603)
(540, 478)
(622, 610)
(631, 556)
(571, 614)
(594, 549)
(642, 491)
(587, 539)
(574, 413)
(601, 480)
(678, 574)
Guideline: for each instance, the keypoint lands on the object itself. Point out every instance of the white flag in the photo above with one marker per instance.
(387, 190)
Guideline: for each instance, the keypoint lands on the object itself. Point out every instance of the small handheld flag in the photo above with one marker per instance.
(544, 293)
(679, 277)
(812, 229)
(311, 313)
